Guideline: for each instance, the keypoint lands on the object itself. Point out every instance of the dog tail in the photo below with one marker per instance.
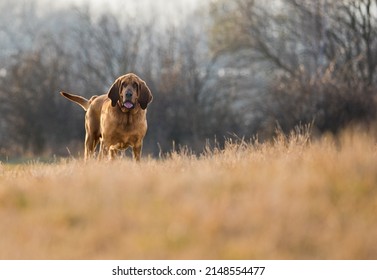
(83, 102)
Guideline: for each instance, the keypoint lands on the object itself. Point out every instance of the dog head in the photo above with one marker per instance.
(128, 91)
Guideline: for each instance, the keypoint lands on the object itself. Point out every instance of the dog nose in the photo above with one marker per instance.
(128, 94)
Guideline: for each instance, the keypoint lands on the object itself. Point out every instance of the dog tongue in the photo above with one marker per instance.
(128, 105)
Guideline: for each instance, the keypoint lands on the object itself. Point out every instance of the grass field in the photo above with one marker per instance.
(290, 199)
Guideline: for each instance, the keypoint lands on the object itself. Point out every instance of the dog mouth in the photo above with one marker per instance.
(128, 105)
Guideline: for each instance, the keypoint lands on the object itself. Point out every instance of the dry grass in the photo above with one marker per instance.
(292, 199)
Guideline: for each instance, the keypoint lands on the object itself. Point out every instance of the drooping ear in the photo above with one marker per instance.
(145, 95)
(113, 92)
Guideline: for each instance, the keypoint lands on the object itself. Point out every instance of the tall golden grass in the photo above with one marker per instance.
(294, 198)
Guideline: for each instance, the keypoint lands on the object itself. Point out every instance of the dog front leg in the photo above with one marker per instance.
(114, 149)
(136, 150)
(103, 150)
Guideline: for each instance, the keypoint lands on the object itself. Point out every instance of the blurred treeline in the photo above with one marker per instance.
(225, 69)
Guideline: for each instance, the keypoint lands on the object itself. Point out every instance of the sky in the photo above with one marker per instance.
(171, 10)
(131, 4)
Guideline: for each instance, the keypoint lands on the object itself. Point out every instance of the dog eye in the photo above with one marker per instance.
(134, 85)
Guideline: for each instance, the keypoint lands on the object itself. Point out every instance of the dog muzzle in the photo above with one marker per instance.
(128, 105)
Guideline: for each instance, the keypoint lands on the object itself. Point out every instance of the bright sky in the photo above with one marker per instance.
(171, 10)
(131, 4)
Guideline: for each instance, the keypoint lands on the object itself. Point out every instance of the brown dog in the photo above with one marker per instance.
(116, 119)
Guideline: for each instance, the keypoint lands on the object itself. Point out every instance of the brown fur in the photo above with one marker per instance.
(109, 119)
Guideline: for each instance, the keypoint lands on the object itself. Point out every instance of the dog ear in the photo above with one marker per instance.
(145, 95)
(113, 92)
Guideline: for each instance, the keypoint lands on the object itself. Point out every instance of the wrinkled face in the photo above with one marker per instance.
(128, 93)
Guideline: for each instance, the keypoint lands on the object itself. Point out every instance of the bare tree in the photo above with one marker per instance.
(84, 53)
(321, 55)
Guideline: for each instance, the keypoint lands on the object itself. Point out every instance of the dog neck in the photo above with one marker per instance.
(127, 113)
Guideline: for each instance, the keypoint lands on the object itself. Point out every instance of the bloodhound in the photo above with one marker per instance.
(117, 119)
